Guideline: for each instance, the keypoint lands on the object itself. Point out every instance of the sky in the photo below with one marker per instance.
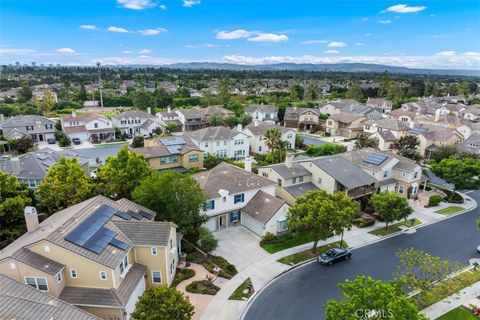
(417, 34)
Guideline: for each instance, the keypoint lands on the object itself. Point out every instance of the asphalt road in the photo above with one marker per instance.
(311, 141)
(301, 293)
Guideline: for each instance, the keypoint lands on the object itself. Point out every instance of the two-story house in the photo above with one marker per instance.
(334, 107)
(432, 137)
(470, 145)
(168, 117)
(262, 112)
(87, 127)
(302, 118)
(381, 104)
(137, 123)
(256, 133)
(471, 112)
(386, 131)
(345, 124)
(98, 255)
(222, 141)
(236, 196)
(37, 127)
(198, 118)
(179, 153)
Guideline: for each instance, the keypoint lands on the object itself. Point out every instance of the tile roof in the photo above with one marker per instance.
(132, 114)
(86, 117)
(38, 261)
(151, 233)
(262, 207)
(164, 147)
(293, 113)
(259, 129)
(346, 117)
(212, 134)
(391, 124)
(358, 156)
(21, 302)
(266, 108)
(296, 170)
(229, 177)
(386, 135)
(439, 133)
(298, 190)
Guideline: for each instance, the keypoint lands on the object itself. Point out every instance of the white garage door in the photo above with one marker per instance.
(137, 292)
(252, 224)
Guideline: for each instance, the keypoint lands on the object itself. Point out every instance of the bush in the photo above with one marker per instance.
(362, 222)
(206, 241)
(434, 200)
(181, 275)
(227, 271)
(62, 138)
(268, 237)
(203, 287)
(138, 142)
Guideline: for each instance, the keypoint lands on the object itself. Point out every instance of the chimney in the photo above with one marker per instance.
(74, 114)
(31, 218)
(289, 159)
(169, 109)
(239, 127)
(149, 110)
(15, 162)
(248, 164)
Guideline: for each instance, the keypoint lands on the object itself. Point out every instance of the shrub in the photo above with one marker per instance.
(62, 138)
(181, 275)
(268, 237)
(138, 142)
(434, 200)
(203, 287)
(362, 222)
(206, 241)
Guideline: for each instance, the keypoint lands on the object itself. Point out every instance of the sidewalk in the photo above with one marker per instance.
(264, 270)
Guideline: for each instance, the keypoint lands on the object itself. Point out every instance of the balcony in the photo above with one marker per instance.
(361, 191)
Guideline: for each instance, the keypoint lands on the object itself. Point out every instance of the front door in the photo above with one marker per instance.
(40, 137)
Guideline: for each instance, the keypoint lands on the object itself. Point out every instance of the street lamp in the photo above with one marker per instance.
(100, 84)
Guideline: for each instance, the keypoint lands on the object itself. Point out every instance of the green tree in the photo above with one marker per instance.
(346, 210)
(462, 172)
(82, 94)
(46, 104)
(163, 303)
(272, 138)
(138, 142)
(206, 240)
(324, 149)
(162, 98)
(22, 144)
(444, 152)
(366, 298)
(355, 92)
(363, 141)
(215, 120)
(299, 141)
(64, 185)
(13, 199)
(25, 93)
(122, 173)
(407, 146)
(390, 206)
(182, 92)
(384, 84)
(311, 93)
(170, 127)
(212, 160)
(223, 95)
(296, 92)
(175, 197)
(143, 100)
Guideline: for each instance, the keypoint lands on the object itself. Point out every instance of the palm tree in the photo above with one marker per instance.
(282, 146)
(272, 138)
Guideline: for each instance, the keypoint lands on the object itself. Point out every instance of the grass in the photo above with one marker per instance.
(202, 287)
(298, 257)
(181, 275)
(394, 228)
(240, 294)
(449, 210)
(459, 313)
(286, 241)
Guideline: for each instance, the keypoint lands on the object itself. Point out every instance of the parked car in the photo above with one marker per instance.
(51, 141)
(76, 141)
(334, 255)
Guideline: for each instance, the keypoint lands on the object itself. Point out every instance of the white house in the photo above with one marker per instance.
(87, 127)
(256, 133)
(136, 123)
(222, 141)
(262, 112)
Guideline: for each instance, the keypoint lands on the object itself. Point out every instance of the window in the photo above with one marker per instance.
(238, 142)
(103, 275)
(37, 283)
(29, 128)
(279, 181)
(320, 180)
(289, 136)
(239, 198)
(169, 159)
(294, 180)
(260, 149)
(95, 125)
(415, 175)
(218, 143)
(385, 174)
(73, 273)
(13, 266)
(400, 189)
(260, 138)
(193, 158)
(156, 277)
(300, 179)
(209, 205)
(172, 266)
(59, 277)
(265, 174)
(123, 265)
(154, 251)
(206, 144)
(281, 225)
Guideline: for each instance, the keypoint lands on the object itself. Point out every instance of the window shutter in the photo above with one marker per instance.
(213, 204)
(235, 199)
(243, 197)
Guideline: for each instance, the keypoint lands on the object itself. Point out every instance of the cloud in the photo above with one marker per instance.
(331, 51)
(268, 37)
(136, 4)
(359, 44)
(143, 56)
(236, 34)
(205, 45)
(337, 44)
(308, 42)
(403, 8)
(152, 32)
(117, 29)
(190, 3)
(88, 27)
(163, 7)
(16, 51)
(65, 50)
(384, 21)
(127, 51)
(471, 54)
(144, 51)
(446, 53)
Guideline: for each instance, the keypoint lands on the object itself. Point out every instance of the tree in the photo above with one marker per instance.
(364, 142)
(13, 199)
(390, 206)
(366, 298)
(272, 138)
(64, 185)
(175, 197)
(163, 303)
(223, 95)
(299, 141)
(384, 84)
(311, 93)
(121, 174)
(444, 152)
(324, 149)
(22, 144)
(138, 142)
(407, 146)
(182, 92)
(170, 127)
(297, 92)
(82, 94)
(45, 104)
(215, 120)
(462, 172)
(162, 98)
(143, 100)
(321, 214)
(355, 92)
(25, 93)
(211, 160)
(206, 240)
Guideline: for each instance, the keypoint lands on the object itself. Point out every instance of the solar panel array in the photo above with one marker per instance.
(418, 130)
(375, 158)
(174, 149)
(172, 142)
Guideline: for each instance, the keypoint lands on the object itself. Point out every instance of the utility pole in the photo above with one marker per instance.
(100, 84)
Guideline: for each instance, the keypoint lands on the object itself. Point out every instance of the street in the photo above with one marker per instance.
(303, 292)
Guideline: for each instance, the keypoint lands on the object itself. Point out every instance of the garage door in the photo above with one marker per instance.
(137, 292)
(252, 224)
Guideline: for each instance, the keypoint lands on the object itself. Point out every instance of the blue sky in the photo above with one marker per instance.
(430, 34)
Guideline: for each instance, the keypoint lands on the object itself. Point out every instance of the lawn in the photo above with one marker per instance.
(240, 294)
(298, 257)
(459, 313)
(449, 210)
(286, 241)
(394, 227)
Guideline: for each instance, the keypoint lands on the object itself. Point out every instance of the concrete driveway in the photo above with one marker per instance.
(239, 246)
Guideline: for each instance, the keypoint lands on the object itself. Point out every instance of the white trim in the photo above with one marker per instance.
(36, 282)
(113, 278)
(160, 276)
(152, 249)
(103, 272)
(61, 277)
(71, 273)
(166, 266)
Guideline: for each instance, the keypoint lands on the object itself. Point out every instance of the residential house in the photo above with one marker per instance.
(198, 118)
(361, 109)
(32, 167)
(240, 197)
(470, 145)
(256, 133)
(137, 123)
(168, 117)
(98, 255)
(302, 118)
(432, 137)
(397, 128)
(10, 94)
(334, 107)
(222, 141)
(87, 127)
(37, 127)
(472, 112)
(262, 112)
(178, 153)
(39, 95)
(381, 104)
(403, 115)
(345, 124)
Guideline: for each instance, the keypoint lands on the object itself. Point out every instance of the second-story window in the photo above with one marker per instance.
(193, 158)
(73, 273)
(95, 125)
(209, 205)
(37, 283)
(103, 275)
(239, 198)
(154, 251)
(59, 277)
(300, 179)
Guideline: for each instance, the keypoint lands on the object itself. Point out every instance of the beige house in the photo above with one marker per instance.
(433, 137)
(302, 118)
(345, 124)
(98, 255)
(178, 153)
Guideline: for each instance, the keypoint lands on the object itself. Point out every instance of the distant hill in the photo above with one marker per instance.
(341, 67)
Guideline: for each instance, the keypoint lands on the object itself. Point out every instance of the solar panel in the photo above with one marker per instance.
(146, 215)
(418, 130)
(119, 244)
(99, 240)
(173, 149)
(375, 158)
(124, 215)
(136, 215)
(171, 142)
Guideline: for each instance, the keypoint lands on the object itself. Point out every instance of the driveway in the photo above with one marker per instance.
(239, 246)
(42, 145)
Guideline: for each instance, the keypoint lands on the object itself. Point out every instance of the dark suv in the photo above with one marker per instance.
(334, 255)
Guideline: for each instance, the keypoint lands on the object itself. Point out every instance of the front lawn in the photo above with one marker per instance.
(285, 241)
(449, 210)
(394, 227)
(298, 257)
(227, 270)
(459, 313)
(242, 293)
